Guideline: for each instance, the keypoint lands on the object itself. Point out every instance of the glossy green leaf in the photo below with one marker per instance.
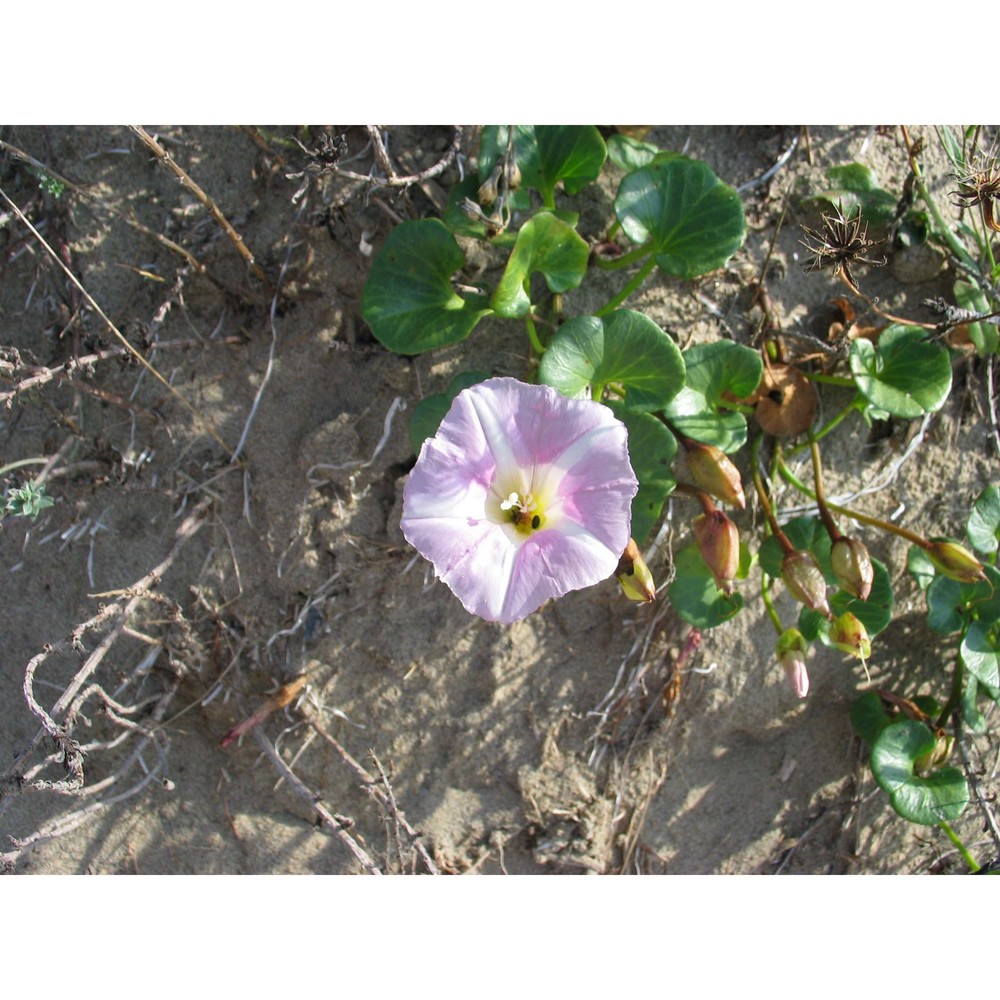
(920, 566)
(984, 521)
(545, 245)
(692, 221)
(905, 375)
(547, 155)
(940, 795)
(868, 716)
(718, 373)
(854, 186)
(651, 449)
(629, 153)
(694, 594)
(625, 349)
(950, 603)
(431, 410)
(980, 652)
(409, 301)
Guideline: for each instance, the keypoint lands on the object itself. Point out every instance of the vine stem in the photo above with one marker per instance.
(962, 849)
(636, 253)
(536, 343)
(855, 515)
(641, 275)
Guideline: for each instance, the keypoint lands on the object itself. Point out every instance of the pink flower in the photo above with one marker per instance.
(522, 495)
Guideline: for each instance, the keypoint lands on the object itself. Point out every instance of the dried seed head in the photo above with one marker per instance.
(982, 187)
(843, 242)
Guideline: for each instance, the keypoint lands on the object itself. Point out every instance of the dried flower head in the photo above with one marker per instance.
(843, 242)
(982, 187)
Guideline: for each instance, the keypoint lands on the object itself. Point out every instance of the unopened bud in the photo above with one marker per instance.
(804, 579)
(713, 471)
(488, 191)
(853, 567)
(935, 757)
(955, 562)
(719, 543)
(512, 173)
(849, 635)
(634, 576)
(791, 650)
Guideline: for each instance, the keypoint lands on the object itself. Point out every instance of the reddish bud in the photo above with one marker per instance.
(853, 567)
(713, 471)
(719, 543)
(791, 650)
(804, 579)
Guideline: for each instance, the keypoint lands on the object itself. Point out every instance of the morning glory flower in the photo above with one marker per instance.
(522, 495)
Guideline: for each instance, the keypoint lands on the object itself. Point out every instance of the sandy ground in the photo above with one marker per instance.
(595, 736)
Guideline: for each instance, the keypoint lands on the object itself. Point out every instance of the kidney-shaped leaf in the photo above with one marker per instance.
(624, 348)
(651, 450)
(905, 375)
(693, 221)
(980, 652)
(983, 527)
(546, 245)
(409, 302)
(546, 155)
(694, 594)
(940, 795)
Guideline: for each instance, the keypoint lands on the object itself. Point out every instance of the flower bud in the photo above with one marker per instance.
(512, 174)
(719, 543)
(488, 191)
(937, 755)
(955, 562)
(853, 567)
(849, 635)
(634, 576)
(804, 579)
(791, 650)
(713, 471)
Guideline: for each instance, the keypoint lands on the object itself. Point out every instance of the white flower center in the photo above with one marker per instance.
(515, 503)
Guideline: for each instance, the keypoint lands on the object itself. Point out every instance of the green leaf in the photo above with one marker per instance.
(941, 795)
(920, 566)
(629, 153)
(855, 186)
(409, 302)
(546, 245)
(431, 410)
(868, 716)
(624, 348)
(984, 521)
(651, 449)
(875, 613)
(546, 155)
(950, 603)
(717, 374)
(694, 594)
(693, 222)
(980, 652)
(905, 375)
